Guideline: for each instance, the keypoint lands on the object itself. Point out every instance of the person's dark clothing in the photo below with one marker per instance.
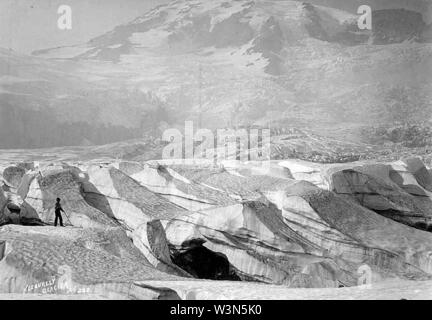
(58, 216)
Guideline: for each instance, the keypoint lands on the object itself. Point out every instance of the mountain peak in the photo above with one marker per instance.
(189, 26)
(282, 61)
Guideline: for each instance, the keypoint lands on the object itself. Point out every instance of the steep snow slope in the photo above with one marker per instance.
(278, 62)
(224, 64)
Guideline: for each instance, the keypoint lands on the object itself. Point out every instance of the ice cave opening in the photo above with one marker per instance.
(203, 263)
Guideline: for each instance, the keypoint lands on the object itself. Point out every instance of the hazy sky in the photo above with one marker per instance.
(27, 25)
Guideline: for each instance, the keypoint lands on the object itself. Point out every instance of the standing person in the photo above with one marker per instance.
(58, 211)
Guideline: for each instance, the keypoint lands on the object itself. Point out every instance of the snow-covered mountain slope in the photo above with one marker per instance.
(181, 27)
(242, 62)
(47, 103)
(266, 27)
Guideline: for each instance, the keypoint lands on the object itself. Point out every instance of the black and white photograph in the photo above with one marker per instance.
(239, 151)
